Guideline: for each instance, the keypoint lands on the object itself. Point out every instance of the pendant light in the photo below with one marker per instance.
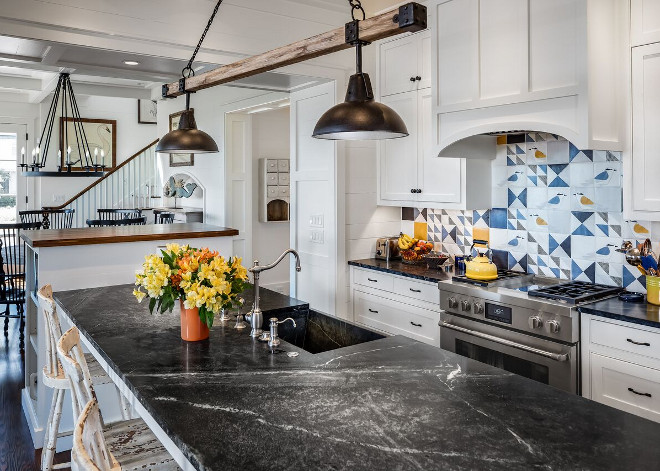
(187, 139)
(360, 117)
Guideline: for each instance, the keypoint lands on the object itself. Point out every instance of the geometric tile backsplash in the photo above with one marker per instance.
(557, 211)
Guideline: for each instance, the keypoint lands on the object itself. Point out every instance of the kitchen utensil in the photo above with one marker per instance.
(481, 267)
(387, 248)
(652, 272)
(630, 297)
(625, 247)
(435, 260)
(633, 256)
(648, 262)
(646, 248)
(641, 269)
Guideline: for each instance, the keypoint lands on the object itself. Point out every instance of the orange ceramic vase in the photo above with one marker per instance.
(192, 328)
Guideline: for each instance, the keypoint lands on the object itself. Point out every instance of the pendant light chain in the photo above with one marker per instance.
(356, 5)
(188, 68)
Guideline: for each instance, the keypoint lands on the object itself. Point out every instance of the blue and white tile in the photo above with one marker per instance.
(537, 198)
(518, 261)
(600, 156)
(559, 199)
(609, 198)
(613, 156)
(583, 223)
(608, 174)
(516, 198)
(581, 174)
(498, 239)
(633, 280)
(559, 176)
(583, 247)
(608, 225)
(608, 273)
(453, 249)
(560, 267)
(516, 176)
(537, 175)
(516, 241)
(516, 220)
(558, 152)
(559, 222)
(515, 154)
(481, 218)
(538, 243)
(537, 220)
(605, 250)
(637, 229)
(498, 218)
(576, 155)
(583, 199)
(499, 196)
(537, 153)
(499, 176)
(559, 245)
(583, 270)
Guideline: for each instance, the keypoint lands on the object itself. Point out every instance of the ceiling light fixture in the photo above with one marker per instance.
(76, 153)
(187, 138)
(127, 62)
(360, 117)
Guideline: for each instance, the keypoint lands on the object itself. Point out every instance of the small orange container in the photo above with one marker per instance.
(192, 328)
(653, 289)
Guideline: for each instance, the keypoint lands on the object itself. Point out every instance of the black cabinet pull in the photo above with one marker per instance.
(416, 325)
(418, 78)
(639, 393)
(644, 344)
(415, 290)
(373, 281)
(412, 79)
(371, 310)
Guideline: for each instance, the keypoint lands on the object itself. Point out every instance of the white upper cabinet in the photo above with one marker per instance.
(644, 22)
(645, 165)
(410, 173)
(553, 66)
(405, 64)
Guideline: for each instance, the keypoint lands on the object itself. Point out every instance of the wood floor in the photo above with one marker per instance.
(16, 450)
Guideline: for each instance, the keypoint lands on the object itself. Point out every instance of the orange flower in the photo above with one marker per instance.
(176, 279)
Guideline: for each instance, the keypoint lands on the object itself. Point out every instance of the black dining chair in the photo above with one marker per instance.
(12, 274)
(115, 214)
(49, 218)
(165, 218)
(141, 221)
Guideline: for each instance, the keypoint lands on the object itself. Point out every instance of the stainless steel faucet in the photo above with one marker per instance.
(255, 317)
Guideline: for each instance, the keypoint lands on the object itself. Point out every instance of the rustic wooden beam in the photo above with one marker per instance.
(409, 17)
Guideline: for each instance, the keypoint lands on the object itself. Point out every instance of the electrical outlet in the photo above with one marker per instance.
(316, 236)
(316, 220)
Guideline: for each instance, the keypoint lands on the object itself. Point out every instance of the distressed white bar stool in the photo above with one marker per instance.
(125, 445)
(53, 376)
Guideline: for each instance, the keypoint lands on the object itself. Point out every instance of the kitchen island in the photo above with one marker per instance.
(83, 258)
(393, 403)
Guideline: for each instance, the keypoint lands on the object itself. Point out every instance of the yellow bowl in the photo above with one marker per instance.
(653, 289)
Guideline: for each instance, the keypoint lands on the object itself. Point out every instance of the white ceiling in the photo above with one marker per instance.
(91, 38)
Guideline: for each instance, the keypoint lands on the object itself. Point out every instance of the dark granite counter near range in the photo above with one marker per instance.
(637, 313)
(397, 267)
(393, 403)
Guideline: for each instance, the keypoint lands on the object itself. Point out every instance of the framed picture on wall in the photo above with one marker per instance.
(147, 112)
(179, 160)
(101, 135)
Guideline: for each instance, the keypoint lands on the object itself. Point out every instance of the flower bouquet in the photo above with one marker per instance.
(201, 279)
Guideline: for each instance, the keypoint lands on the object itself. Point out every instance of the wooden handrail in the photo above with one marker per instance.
(85, 190)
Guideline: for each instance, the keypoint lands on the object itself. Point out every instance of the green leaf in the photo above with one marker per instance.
(152, 304)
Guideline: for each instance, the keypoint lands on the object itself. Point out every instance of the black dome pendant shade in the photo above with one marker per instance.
(360, 117)
(187, 139)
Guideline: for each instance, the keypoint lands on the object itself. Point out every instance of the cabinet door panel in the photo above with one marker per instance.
(424, 59)
(502, 48)
(439, 178)
(646, 122)
(554, 29)
(644, 22)
(457, 51)
(398, 64)
(398, 165)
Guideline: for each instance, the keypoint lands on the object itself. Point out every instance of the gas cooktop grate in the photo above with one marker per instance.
(501, 275)
(575, 292)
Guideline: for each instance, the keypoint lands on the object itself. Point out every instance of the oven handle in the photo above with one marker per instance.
(509, 343)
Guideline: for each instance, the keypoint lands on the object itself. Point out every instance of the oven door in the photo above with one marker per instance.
(542, 360)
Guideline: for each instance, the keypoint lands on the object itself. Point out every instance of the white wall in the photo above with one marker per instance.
(270, 139)
(131, 137)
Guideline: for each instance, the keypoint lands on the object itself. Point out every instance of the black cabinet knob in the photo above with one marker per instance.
(418, 78)
(412, 79)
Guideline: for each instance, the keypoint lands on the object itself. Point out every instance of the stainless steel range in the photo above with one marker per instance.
(522, 323)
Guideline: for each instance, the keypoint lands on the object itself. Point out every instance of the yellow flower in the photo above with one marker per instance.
(139, 295)
(241, 271)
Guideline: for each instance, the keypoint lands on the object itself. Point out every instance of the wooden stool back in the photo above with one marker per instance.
(53, 329)
(90, 452)
(75, 366)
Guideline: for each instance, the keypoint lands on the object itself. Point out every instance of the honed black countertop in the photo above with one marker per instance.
(393, 403)
(641, 313)
(397, 267)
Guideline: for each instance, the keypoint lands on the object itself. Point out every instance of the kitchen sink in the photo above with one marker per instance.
(317, 333)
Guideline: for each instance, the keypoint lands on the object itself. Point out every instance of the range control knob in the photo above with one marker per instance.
(466, 306)
(535, 322)
(453, 303)
(478, 308)
(552, 327)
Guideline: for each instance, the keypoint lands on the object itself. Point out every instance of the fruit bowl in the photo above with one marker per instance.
(435, 260)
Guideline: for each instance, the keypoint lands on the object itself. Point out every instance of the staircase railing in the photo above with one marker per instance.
(118, 188)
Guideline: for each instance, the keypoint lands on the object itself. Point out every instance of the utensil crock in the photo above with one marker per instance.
(653, 289)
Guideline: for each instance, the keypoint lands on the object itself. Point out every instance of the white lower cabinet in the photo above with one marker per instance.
(396, 305)
(621, 365)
